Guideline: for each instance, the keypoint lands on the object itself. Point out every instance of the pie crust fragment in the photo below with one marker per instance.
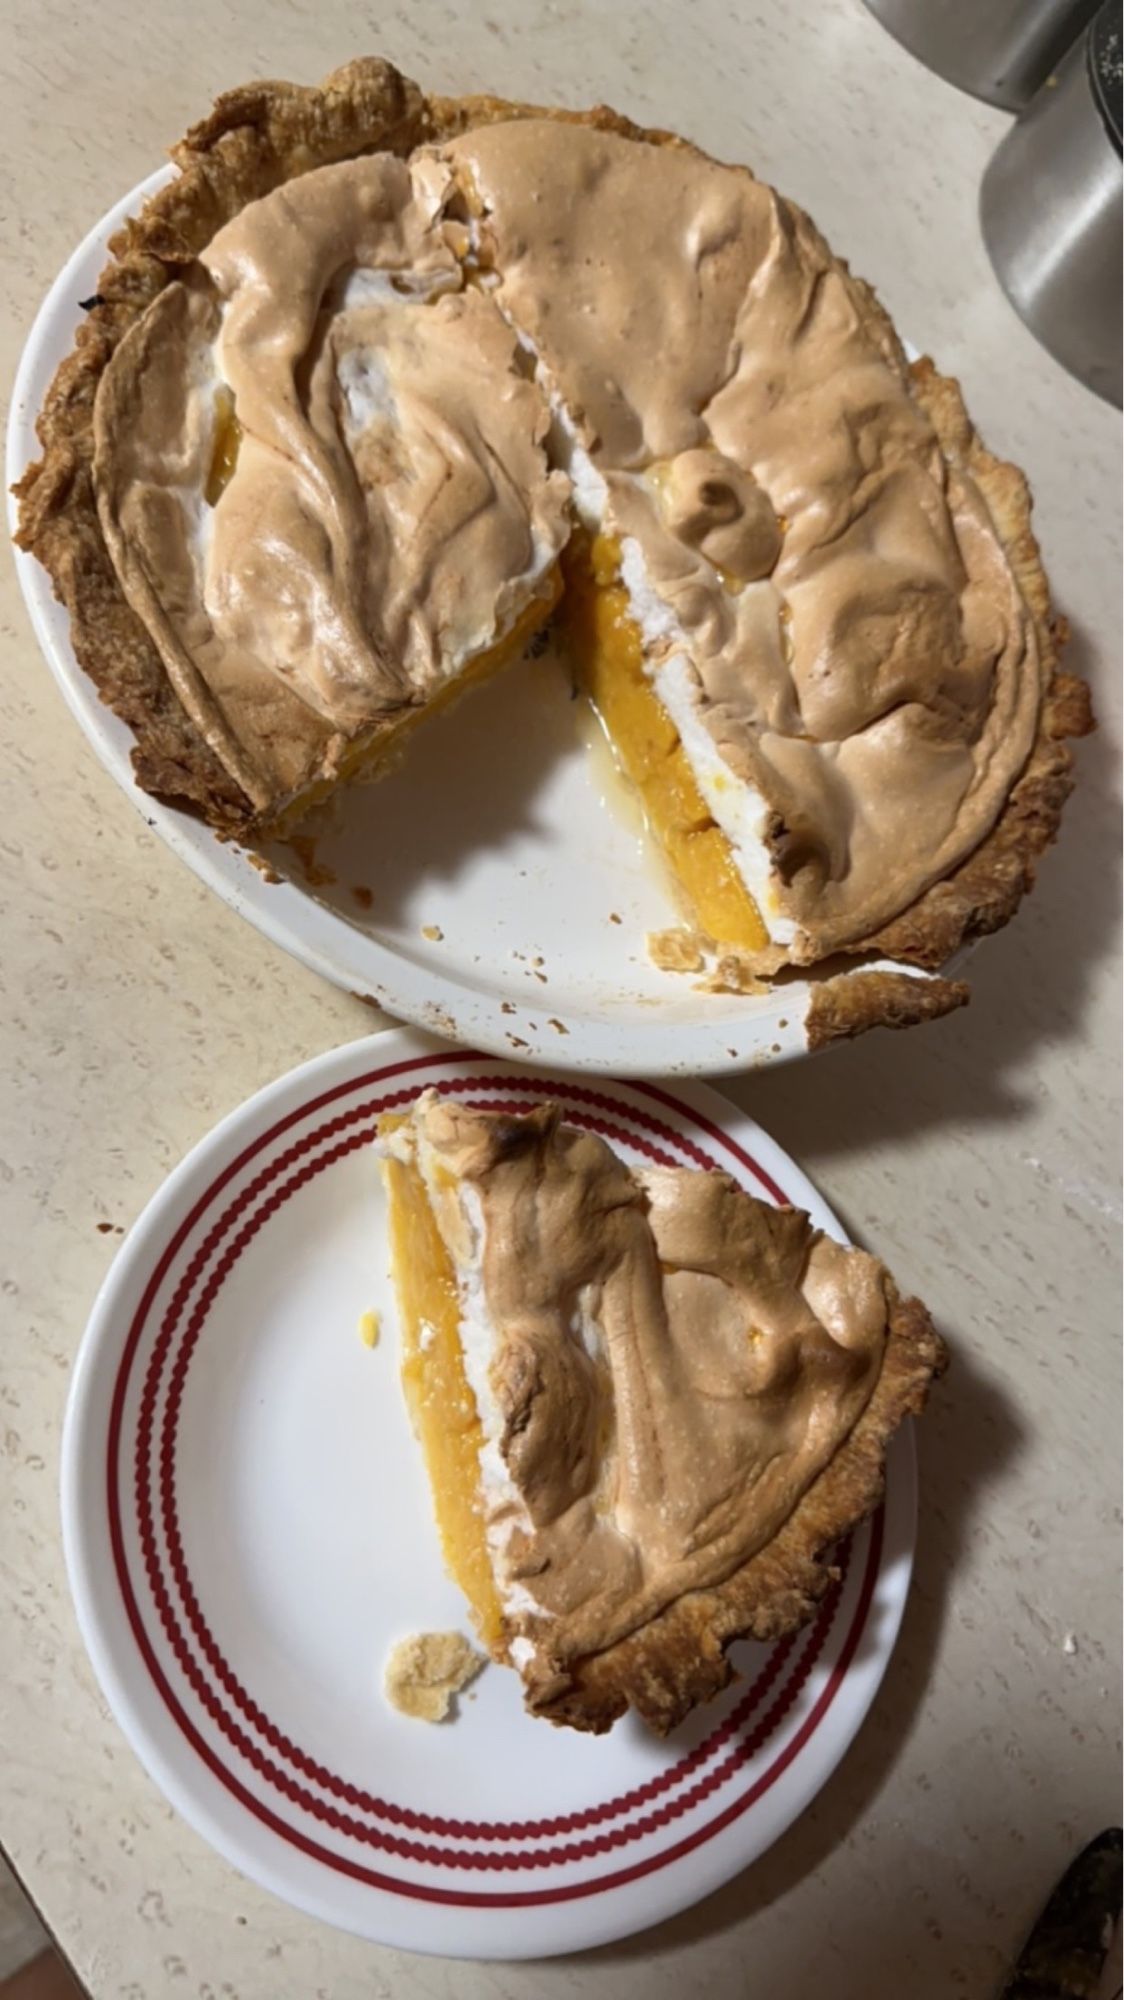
(804, 596)
(649, 1403)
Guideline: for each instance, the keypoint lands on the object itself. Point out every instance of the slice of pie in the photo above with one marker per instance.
(649, 1404)
(381, 377)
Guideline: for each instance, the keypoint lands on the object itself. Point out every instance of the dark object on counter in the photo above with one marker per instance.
(1000, 50)
(1052, 210)
(1106, 70)
(1064, 1955)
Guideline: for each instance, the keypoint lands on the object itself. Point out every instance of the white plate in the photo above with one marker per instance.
(502, 829)
(248, 1529)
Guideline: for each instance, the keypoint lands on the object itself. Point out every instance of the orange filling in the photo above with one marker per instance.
(609, 655)
(441, 1403)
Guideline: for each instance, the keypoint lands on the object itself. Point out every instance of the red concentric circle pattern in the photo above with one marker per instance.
(262, 1750)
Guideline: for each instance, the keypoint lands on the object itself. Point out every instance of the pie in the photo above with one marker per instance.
(649, 1404)
(382, 382)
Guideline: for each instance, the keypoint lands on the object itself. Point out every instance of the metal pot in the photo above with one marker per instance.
(1052, 210)
(1000, 50)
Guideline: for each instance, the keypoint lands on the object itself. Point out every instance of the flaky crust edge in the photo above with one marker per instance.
(679, 1659)
(256, 137)
(986, 890)
(253, 139)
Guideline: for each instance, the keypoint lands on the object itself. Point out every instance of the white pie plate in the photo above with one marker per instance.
(504, 830)
(248, 1529)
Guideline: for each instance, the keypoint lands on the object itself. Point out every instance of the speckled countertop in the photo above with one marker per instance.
(979, 1156)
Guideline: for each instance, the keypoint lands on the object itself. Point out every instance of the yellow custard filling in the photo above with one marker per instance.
(440, 1401)
(609, 658)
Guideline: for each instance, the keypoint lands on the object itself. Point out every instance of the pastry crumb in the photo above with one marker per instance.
(733, 973)
(265, 868)
(433, 932)
(369, 1329)
(675, 951)
(425, 1671)
(558, 1026)
(614, 918)
(1069, 1644)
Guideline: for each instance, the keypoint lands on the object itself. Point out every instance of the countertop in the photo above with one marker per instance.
(979, 1155)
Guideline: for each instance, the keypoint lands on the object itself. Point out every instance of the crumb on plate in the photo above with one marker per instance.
(426, 1670)
(733, 973)
(675, 950)
(258, 861)
(369, 1329)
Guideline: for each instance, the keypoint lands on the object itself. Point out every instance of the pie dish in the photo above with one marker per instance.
(649, 1403)
(804, 598)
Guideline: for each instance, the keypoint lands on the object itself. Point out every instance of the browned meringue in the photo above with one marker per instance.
(881, 688)
(712, 505)
(390, 511)
(662, 1366)
(821, 590)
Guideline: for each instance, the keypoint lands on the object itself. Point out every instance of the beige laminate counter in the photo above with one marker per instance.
(979, 1156)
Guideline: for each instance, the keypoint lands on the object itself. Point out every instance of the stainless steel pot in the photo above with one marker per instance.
(1052, 210)
(1001, 50)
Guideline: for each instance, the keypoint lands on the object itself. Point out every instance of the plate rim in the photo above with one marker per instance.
(291, 917)
(98, 1601)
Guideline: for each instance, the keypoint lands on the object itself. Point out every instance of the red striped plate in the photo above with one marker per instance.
(248, 1529)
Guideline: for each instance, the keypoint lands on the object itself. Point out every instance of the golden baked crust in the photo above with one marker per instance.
(843, 1006)
(679, 1658)
(255, 138)
(986, 890)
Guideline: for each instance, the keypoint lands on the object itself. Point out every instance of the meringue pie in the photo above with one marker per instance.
(381, 382)
(649, 1404)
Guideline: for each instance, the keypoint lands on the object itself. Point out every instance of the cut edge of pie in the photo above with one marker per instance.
(672, 1660)
(254, 139)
